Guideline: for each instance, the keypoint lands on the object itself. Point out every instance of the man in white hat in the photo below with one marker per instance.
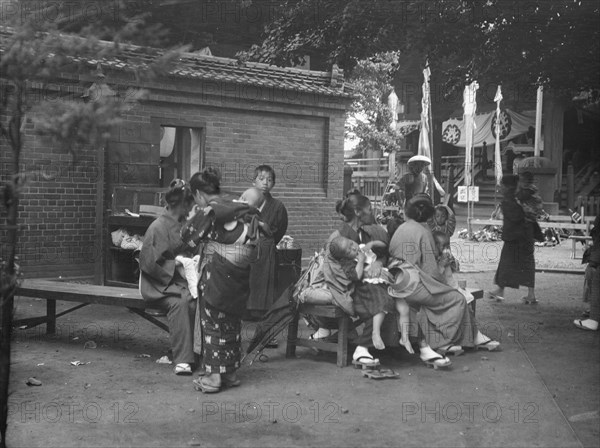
(416, 180)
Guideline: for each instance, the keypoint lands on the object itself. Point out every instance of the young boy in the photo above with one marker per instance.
(344, 271)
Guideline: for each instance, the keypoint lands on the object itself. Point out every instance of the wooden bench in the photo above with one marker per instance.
(332, 311)
(341, 346)
(84, 294)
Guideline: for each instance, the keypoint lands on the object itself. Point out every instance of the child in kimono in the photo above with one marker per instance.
(443, 220)
(448, 264)
(344, 271)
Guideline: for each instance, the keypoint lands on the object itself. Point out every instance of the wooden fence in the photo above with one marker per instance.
(590, 205)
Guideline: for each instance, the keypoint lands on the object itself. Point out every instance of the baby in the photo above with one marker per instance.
(242, 230)
(349, 281)
(447, 264)
(531, 202)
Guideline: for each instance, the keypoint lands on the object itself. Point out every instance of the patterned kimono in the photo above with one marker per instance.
(224, 284)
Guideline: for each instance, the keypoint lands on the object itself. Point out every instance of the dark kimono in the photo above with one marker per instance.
(262, 272)
(517, 262)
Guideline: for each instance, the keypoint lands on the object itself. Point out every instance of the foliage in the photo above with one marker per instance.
(35, 55)
(371, 80)
(516, 43)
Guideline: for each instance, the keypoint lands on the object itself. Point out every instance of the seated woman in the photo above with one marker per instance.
(444, 319)
(162, 283)
(358, 225)
(344, 269)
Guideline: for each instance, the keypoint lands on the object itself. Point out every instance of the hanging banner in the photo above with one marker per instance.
(469, 106)
(498, 133)
(512, 124)
(424, 146)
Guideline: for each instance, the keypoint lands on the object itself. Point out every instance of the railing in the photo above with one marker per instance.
(459, 171)
(368, 165)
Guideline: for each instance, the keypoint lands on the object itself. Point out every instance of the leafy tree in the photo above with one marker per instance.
(513, 42)
(33, 56)
(371, 79)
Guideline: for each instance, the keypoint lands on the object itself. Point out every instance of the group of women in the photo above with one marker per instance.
(229, 273)
(442, 323)
(211, 326)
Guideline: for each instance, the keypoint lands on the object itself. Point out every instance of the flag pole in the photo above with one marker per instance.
(538, 121)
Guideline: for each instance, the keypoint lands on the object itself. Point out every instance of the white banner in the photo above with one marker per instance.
(512, 124)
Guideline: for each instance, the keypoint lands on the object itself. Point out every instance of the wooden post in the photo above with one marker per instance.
(570, 186)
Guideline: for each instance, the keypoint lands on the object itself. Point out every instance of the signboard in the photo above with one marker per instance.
(473, 194)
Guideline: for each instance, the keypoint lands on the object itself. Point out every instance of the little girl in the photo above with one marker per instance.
(344, 269)
(447, 264)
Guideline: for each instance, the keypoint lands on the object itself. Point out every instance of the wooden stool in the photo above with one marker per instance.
(341, 346)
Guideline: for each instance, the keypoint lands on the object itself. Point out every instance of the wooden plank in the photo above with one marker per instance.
(74, 292)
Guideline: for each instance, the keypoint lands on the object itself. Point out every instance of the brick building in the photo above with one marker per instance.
(207, 111)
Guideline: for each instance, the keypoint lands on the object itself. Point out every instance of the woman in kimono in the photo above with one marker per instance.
(262, 273)
(161, 283)
(224, 284)
(445, 320)
(517, 261)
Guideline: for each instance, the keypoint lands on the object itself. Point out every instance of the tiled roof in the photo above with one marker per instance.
(211, 68)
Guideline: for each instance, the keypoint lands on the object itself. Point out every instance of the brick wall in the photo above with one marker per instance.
(301, 138)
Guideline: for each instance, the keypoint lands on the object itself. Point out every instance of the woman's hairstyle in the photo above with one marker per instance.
(207, 181)
(178, 193)
(419, 207)
(351, 204)
(266, 169)
(393, 225)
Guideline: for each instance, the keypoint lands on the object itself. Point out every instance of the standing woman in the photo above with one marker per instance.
(262, 273)
(225, 287)
(517, 263)
(161, 284)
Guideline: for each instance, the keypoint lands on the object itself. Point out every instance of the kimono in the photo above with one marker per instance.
(442, 312)
(225, 272)
(263, 271)
(517, 262)
(163, 286)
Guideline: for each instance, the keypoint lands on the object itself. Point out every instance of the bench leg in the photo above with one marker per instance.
(51, 316)
(342, 344)
(292, 337)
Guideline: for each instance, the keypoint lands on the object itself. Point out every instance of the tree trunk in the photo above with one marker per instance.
(10, 274)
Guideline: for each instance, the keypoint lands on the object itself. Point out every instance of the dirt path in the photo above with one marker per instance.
(542, 389)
